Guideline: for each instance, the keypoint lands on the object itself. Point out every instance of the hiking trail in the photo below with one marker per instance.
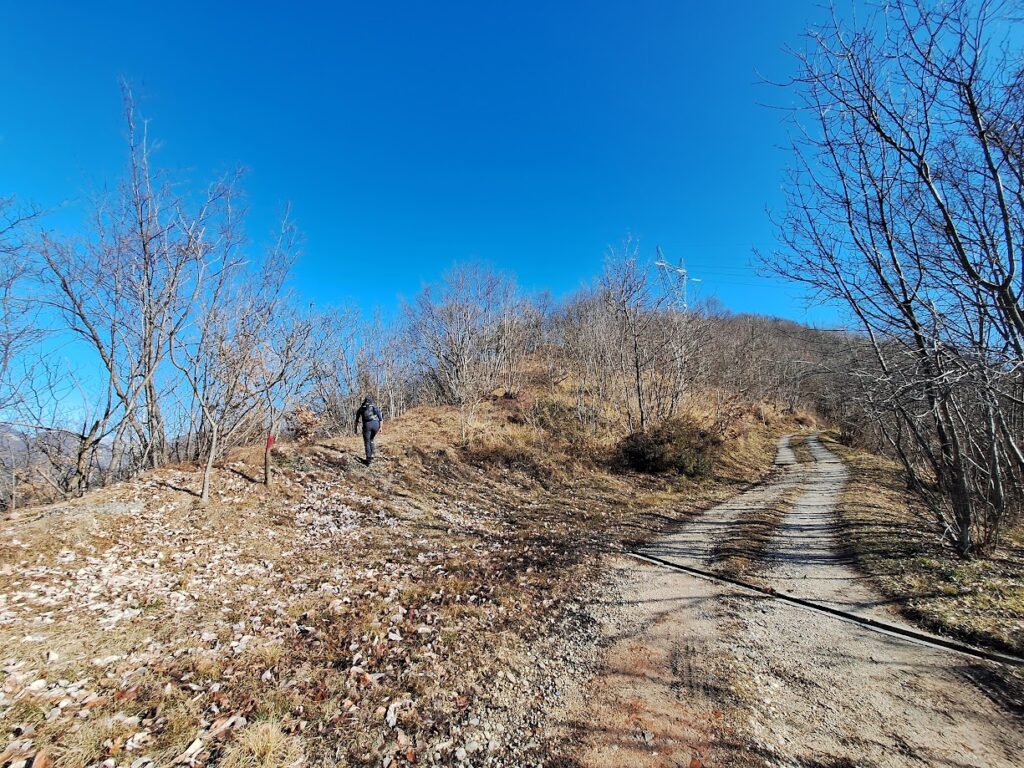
(701, 673)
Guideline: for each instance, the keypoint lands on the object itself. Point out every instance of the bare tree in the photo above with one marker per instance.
(637, 308)
(18, 326)
(384, 367)
(907, 205)
(217, 350)
(292, 343)
(55, 417)
(463, 335)
(126, 290)
(335, 371)
(627, 346)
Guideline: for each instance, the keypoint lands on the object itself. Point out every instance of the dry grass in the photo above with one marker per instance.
(800, 450)
(345, 594)
(263, 745)
(89, 745)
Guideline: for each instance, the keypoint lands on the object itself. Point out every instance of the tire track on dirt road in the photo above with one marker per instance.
(696, 671)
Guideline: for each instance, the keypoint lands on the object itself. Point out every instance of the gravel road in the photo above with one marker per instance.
(698, 674)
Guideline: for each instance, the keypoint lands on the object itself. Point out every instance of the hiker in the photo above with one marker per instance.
(372, 420)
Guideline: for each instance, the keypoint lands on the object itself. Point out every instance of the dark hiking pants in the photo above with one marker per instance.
(370, 429)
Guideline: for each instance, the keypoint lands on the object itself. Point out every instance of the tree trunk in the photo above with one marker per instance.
(268, 468)
(14, 482)
(639, 381)
(157, 435)
(204, 496)
(81, 479)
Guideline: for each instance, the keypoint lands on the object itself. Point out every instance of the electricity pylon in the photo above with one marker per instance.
(674, 281)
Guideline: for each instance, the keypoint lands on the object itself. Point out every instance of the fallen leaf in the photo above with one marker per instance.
(127, 695)
(224, 724)
(193, 749)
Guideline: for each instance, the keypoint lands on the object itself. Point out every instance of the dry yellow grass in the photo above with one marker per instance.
(313, 609)
(263, 745)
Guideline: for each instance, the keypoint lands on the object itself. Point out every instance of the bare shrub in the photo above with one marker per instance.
(679, 445)
(469, 336)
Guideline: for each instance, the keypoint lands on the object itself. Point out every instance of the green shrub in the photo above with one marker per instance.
(678, 445)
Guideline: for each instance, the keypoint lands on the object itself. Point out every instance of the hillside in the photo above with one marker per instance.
(426, 611)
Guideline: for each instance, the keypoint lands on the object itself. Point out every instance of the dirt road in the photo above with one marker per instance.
(698, 674)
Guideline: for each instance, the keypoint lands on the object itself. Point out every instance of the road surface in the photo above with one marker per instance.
(700, 674)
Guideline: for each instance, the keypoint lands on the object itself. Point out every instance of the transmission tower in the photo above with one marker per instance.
(674, 281)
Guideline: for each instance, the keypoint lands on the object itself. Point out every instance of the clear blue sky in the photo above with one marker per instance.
(411, 135)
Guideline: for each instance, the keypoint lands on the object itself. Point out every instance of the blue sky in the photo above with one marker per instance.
(411, 135)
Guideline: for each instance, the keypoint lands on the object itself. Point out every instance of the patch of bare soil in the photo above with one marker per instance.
(778, 685)
(665, 694)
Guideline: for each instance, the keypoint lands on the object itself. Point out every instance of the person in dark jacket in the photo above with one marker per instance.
(372, 419)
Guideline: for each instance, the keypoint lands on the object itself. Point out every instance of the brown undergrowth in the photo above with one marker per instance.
(351, 616)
